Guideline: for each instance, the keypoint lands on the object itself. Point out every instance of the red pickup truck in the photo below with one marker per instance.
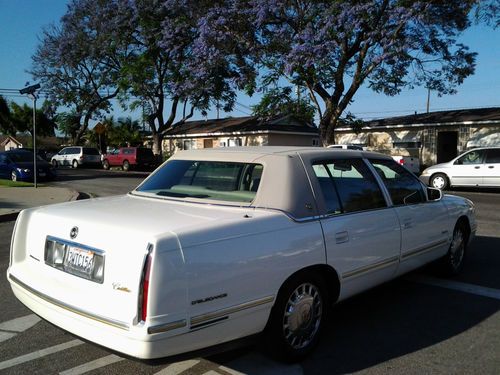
(129, 157)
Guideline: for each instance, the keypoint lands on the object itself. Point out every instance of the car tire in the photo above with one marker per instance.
(74, 164)
(13, 176)
(126, 165)
(439, 181)
(297, 317)
(54, 163)
(453, 262)
(105, 164)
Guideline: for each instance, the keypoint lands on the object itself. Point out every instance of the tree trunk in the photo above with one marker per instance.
(157, 143)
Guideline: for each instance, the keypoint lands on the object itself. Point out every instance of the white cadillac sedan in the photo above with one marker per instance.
(224, 243)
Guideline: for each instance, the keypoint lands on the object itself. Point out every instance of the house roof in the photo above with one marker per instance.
(241, 125)
(5, 139)
(479, 115)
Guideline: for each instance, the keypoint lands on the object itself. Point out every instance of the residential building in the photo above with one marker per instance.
(241, 131)
(433, 137)
(8, 143)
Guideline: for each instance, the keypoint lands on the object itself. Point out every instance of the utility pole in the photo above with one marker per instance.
(31, 91)
(428, 99)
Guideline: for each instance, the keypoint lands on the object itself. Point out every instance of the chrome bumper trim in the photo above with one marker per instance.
(167, 327)
(216, 315)
(65, 306)
(370, 268)
(423, 250)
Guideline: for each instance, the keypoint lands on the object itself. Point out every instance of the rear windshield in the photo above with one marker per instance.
(90, 151)
(23, 157)
(211, 180)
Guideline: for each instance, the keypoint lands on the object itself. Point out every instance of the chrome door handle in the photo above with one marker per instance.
(407, 223)
(341, 237)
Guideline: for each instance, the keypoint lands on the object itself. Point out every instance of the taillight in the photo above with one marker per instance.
(144, 287)
(401, 161)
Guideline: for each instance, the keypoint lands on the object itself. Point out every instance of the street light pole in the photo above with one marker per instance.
(33, 96)
(31, 91)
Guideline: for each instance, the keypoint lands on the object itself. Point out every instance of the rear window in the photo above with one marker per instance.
(90, 151)
(145, 153)
(211, 180)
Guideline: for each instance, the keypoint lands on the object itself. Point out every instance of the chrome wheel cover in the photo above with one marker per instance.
(302, 316)
(457, 248)
(438, 182)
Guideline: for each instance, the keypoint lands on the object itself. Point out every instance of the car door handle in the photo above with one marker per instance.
(491, 167)
(341, 237)
(407, 223)
(477, 167)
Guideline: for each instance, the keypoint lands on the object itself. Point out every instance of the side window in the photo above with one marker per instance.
(64, 151)
(493, 156)
(403, 187)
(348, 186)
(472, 157)
(3, 159)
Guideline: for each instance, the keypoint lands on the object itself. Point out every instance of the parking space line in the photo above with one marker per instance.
(4, 336)
(39, 354)
(231, 371)
(457, 285)
(93, 365)
(20, 324)
(178, 367)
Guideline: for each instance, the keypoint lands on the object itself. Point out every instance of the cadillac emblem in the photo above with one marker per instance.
(74, 232)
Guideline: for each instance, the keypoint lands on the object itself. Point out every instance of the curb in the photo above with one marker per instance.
(11, 216)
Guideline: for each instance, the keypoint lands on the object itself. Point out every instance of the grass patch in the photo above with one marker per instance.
(9, 183)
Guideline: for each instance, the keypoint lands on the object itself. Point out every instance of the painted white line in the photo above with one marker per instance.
(4, 336)
(456, 285)
(93, 365)
(178, 367)
(20, 324)
(39, 354)
(211, 372)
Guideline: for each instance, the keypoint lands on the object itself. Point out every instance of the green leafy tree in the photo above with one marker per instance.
(22, 120)
(6, 125)
(280, 101)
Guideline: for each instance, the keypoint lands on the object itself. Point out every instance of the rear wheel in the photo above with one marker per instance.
(439, 181)
(74, 164)
(297, 317)
(126, 165)
(453, 262)
(105, 164)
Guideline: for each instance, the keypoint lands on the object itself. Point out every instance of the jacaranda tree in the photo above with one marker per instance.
(335, 47)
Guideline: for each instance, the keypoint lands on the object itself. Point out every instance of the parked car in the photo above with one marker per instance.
(76, 156)
(479, 167)
(129, 157)
(347, 147)
(18, 165)
(219, 244)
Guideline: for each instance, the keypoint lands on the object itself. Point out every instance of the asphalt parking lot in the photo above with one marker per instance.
(418, 324)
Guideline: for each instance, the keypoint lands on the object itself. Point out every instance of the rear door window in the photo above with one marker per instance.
(493, 156)
(348, 186)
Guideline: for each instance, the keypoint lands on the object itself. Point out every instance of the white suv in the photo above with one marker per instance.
(479, 167)
(76, 156)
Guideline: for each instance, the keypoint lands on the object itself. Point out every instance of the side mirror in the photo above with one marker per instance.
(434, 195)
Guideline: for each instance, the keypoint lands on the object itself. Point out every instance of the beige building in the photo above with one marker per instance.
(240, 131)
(434, 137)
(9, 143)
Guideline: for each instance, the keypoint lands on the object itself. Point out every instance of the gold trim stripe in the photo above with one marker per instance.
(422, 250)
(230, 310)
(370, 268)
(86, 314)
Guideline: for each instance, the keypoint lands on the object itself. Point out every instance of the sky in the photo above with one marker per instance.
(22, 21)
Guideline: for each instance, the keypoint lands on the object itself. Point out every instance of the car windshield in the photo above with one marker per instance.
(211, 180)
(23, 157)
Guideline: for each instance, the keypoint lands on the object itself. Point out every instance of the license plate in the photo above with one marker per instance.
(79, 261)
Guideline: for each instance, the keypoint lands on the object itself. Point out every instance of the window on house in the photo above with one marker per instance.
(188, 144)
(407, 144)
(315, 142)
(235, 142)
